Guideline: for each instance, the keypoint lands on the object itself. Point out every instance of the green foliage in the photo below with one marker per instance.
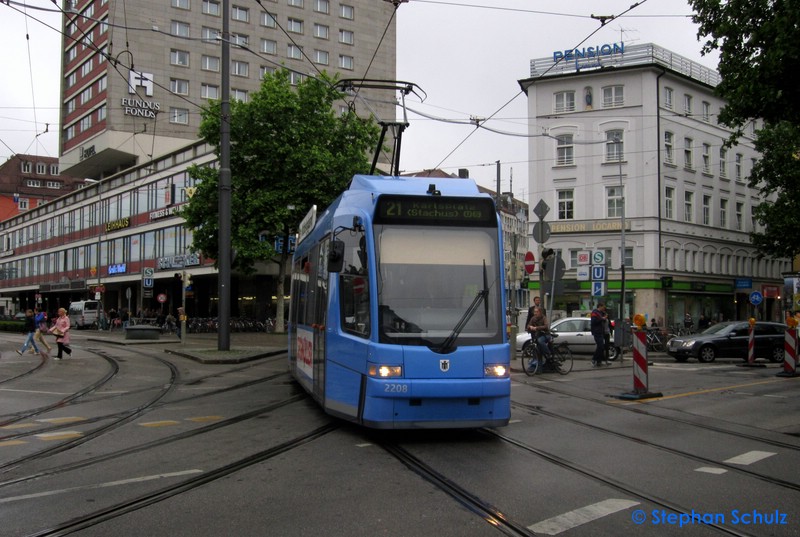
(757, 41)
(289, 148)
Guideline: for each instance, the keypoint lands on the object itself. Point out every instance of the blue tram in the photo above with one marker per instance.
(397, 314)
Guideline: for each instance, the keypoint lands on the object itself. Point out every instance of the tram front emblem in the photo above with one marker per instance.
(444, 365)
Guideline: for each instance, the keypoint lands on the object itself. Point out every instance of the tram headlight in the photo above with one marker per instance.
(385, 371)
(495, 370)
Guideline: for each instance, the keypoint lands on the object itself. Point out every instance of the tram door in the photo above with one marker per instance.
(321, 309)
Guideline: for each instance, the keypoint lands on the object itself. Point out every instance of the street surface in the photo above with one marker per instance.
(132, 440)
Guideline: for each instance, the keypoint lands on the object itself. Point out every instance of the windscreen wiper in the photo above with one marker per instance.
(447, 345)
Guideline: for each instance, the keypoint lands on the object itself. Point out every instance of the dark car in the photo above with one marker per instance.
(730, 340)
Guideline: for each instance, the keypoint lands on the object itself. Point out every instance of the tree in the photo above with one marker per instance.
(289, 150)
(757, 40)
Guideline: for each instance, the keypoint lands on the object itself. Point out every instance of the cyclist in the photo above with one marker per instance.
(539, 329)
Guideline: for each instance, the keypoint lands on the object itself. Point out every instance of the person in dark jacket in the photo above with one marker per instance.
(29, 328)
(598, 319)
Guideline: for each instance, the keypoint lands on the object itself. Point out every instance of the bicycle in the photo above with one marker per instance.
(559, 357)
(654, 341)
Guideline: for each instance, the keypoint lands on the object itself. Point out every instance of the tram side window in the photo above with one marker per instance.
(354, 285)
(300, 290)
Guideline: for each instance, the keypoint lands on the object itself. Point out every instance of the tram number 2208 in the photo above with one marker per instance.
(395, 388)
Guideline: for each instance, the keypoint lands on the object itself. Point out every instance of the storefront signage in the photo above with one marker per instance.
(122, 223)
(163, 213)
(139, 107)
(589, 226)
(119, 268)
(87, 152)
(606, 49)
(178, 261)
(743, 283)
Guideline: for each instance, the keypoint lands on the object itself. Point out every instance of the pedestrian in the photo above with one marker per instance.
(702, 323)
(61, 329)
(606, 338)
(596, 324)
(40, 319)
(687, 320)
(537, 303)
(29, 328)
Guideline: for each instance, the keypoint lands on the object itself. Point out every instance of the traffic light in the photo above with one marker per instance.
(547, 258)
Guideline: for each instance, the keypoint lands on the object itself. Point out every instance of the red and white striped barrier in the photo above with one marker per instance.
(751, 347)
(789, 354)
(640, 378)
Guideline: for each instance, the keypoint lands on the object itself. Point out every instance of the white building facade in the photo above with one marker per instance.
(626, 137)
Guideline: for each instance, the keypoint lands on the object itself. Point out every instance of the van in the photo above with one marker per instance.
(84, 313)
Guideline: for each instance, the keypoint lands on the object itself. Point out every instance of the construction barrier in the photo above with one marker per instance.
(751, 347)
(789, 354)
(641, 384)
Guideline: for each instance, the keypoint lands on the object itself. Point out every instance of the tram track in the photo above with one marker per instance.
(793, 446)
(681, 453)
(144, 500)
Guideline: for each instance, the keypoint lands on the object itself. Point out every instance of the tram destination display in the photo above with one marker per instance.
(435, 210)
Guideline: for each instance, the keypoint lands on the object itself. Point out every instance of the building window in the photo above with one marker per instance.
(669, 202)
(179, 57)
(86, 123)
(723, 213)
(72, 78)
(347, 12)
(688, 206)
(295, 26)
(102, 112)
(268, 20)
(179, 29)
(86, 68)
(209, 91)
(240, 68)
(268, 46)
(321, 57)
(209, 63)
(23, 204)
(209, 35)
(565, 101)
(296, 3)
(739, 216)
(614, 146)
(613, 96)
(668, 98)
(295, 78)
(723, 164)
(70, 132)
(211, 7)
(26, 167)
(564, 150)
(295, 52)
(615, 201)
(41, 168)
(687, 104)
(347, 37)
(179, 115)
(240, 40)
(180, 4)
(346, 62)
(566, 204)
(265, 70)
(688, 154)
(239, 95)
(54, 170)
(706, 210)
(70, 106)
(669, 153)
(707, 159)
(102, 84)
(53, 185)
(179, 86)
(322, 6)
(72, 53)
(706, 111)
(86, 95)
(321, 31)
(738, 167)
(241, 14)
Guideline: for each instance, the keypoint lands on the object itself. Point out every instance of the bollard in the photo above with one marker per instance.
(641, 383)
(751, 346)
(789, 354)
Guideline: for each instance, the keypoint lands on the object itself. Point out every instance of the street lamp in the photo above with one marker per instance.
(99, 242)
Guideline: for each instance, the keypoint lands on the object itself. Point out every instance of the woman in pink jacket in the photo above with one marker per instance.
(61, 329)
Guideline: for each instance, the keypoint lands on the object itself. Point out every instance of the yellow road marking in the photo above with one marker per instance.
(12, 443)
(163, 423)
(205, 419)
(68, 419)
(698, 392)
(62, 435)
(18, 426)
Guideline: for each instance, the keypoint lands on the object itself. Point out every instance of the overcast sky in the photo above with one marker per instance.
(467, 56)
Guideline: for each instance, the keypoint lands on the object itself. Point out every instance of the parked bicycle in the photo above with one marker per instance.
(558, 358)
(657, 339)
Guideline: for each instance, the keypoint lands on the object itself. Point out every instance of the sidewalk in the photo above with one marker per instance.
(203, 348)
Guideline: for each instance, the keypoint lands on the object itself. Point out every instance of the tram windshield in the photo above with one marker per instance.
(429, 277)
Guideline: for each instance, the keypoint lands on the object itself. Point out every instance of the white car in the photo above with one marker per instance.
(576, 332)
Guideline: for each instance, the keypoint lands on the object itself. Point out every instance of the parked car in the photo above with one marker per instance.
(573, 330)
(731, 340)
